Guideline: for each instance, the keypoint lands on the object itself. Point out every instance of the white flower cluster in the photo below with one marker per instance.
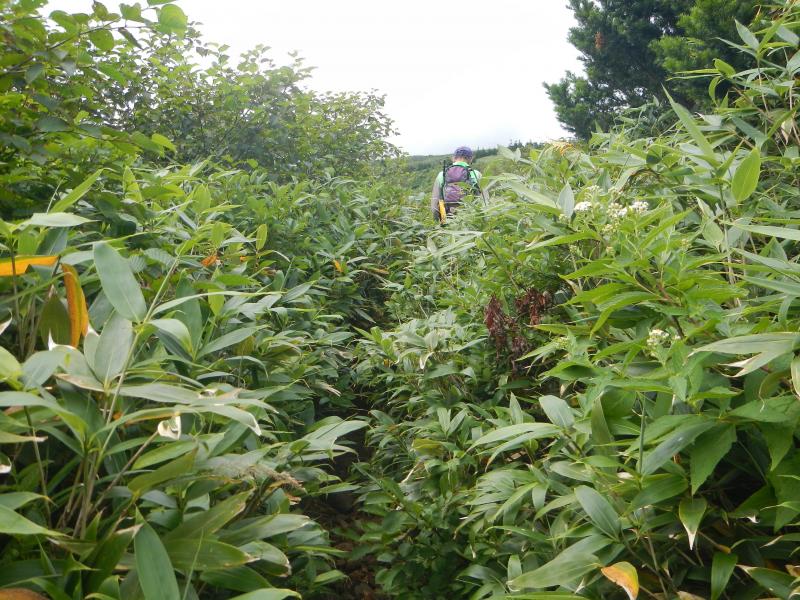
(583, 207)
(616, 211)
(659, 337)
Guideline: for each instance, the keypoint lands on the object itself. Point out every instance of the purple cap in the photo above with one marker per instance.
(464, 151)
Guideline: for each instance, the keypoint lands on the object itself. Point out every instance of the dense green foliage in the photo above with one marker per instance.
(586, 388)
(594, 380)
(105, 87)
(629, 49)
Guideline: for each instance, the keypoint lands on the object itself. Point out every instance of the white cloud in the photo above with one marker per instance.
(454, 72)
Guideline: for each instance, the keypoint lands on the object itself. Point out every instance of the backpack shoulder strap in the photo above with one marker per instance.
(445, 166)
(473, 178)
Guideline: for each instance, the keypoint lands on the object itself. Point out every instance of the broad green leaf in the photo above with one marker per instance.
(14, 500)
(119, 284)
(796, 375)
(779, 232)
(246, 530)
(690, 512)
(238, 578)
(708, 450)
(780, 439)
(178, 467)
(261, 236)
(777, 583)
(12, 523)
(76, 193)
(658, 488)
(295, 293)
(537, 198)
(786, 484)
(745, 179)
(599, 510)
(156, 575)
(14, 399)
(770, 410)
(172, 18)
(722, 567)
(747, 36)
(789, 288)
(34, 72)
(176, 329)
(601, 434)
(163, 141)
(161, 392)
(201, 553)
(10, 369)
(167, 306)
(163, 453)
(787, 35)
(677, 441)
(103, 39)
(563, 569)
(724, 68)
(557, 411)
(113, 349)
(52, 124)
(779, 342)
(206, 522)
(107, 555)
(566, 200)
(563, 239)
(229, 339)
(55, 219)
(537, 430)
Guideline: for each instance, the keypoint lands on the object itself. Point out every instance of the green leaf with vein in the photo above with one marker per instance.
(118, 282)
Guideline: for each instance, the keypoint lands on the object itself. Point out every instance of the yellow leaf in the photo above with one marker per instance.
(209, 260)
(688, 596)
(625, 576)
(21, 263)
(19, 594)
(337, 265)
(76, 306)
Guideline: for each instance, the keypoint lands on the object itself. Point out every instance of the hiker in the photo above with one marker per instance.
(453, 182)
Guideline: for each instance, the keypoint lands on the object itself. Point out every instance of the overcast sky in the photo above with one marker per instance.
(454, 72)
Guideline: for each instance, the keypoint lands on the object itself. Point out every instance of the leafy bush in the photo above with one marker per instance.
(193, 420)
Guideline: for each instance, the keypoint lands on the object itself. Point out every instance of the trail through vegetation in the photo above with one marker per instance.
(239, 361)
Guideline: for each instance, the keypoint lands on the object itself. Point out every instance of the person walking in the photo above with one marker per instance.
(453, 182)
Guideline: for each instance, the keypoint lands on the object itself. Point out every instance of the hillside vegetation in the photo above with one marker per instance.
(239, 361)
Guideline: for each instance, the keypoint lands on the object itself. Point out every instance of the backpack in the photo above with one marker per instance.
(457, 181)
